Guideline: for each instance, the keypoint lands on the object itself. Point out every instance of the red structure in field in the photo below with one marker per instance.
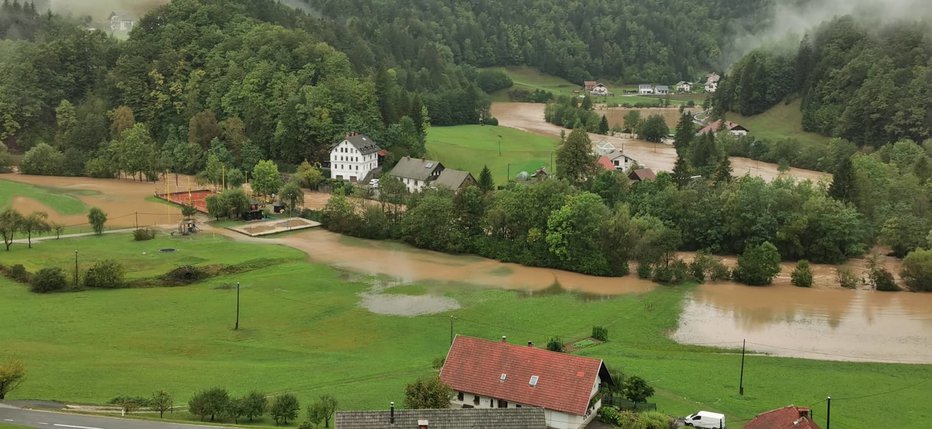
(196, 198)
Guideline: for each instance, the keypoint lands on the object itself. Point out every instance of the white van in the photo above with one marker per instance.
(706, 419)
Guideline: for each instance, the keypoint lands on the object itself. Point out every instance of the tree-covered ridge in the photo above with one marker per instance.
(629, 40)
(870, 86)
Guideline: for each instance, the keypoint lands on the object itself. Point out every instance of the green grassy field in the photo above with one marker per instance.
(469, 147)
(781, 121)
(303, 331)
(532, 79)
(60, 200)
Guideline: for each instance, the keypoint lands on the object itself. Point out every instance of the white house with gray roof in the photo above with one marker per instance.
(415, 173)
(353, 158)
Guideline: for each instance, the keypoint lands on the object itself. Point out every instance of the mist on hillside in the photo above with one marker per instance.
(100, 9)
(788, 20)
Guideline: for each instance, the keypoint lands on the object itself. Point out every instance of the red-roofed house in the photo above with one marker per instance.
(605, 163)
(790, 417)
(493, 374)
(732, 127)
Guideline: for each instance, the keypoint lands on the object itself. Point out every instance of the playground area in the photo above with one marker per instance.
(196, 198)
(276, 226)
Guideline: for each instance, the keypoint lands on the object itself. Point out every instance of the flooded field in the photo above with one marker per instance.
(828, 324)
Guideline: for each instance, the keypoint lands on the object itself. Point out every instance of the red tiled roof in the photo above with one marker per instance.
(565, 381)
(606, 163)
(783, 418)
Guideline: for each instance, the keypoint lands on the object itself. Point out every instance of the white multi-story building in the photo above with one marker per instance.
(353, 158)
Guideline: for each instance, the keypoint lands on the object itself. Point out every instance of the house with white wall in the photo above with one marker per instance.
(497, 374)
(353, 158)
(416, 173)
(645, 89)
(734, 128)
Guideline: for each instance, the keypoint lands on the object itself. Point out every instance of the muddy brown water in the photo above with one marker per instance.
(658, 157)
(823, 322)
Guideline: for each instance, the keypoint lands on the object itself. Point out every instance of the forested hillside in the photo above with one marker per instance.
(868, 85)
(623, 40)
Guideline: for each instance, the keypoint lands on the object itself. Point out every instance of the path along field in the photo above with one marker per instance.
(304, 331)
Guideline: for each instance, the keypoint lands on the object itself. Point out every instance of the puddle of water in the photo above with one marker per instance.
(827, 324)
(407, 305)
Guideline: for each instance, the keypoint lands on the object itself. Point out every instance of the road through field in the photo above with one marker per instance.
(658, 157)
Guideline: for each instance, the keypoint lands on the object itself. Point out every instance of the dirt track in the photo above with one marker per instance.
(658, 157)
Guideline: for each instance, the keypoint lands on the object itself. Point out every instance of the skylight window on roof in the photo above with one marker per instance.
(502, 378)
(534, 380)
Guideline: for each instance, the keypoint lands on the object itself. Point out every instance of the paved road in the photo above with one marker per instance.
(57, 420)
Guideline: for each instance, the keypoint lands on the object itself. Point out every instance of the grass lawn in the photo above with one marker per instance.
(531, 79)
(61, 200)
(303, 331)
(469, 147)
(9, 426)
(780, 122)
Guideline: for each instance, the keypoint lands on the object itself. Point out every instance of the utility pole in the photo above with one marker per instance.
(237, 307)
(741, 382)
(76, 268)
(137, 220)
(828, 413)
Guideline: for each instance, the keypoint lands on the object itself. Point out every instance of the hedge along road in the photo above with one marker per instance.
(658, 157)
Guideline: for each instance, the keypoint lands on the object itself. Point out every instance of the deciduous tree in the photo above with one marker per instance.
(97, 218)
(322, 410)
(284, 407)
(266, 180)
(636, 389)
(575, 160)
(10, 222)
(428, 392)
(758, 264)
(293, 194)
(36, 222)
(12, 374)
(161, 401)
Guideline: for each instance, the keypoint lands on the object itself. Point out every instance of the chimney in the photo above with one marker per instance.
(530, 344)
(504, 338)
(391, 414)
(422, 424)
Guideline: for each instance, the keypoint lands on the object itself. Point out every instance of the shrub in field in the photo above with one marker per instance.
(18, 272)
(130, 403)
(644, 271)
(600, 333)
(556, 345)
(106, 274)
(846, 278)
(718, 271)
(49, 279)
(185, 274)
(802, 274)
(758, 265)
(882, 280)
(917, 270)
(209, 403)
(143, 234)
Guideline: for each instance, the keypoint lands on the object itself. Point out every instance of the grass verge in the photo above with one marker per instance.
(470, 147)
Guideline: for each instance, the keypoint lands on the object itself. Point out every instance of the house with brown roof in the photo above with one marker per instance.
(642, 174)
(589, 85)
(732, 127)
(455, 179)
(497, 374)
(790, 417)
(448, 418)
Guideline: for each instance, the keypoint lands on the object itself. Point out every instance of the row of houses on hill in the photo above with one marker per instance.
(501, 385)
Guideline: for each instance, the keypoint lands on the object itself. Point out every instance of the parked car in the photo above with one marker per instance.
(706, 419)
(374, 183)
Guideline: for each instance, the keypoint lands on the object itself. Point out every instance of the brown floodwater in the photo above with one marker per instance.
(828, 324)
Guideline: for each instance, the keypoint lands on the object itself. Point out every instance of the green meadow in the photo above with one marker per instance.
(470, 147)
(779, 122)
(303, 331)
(61, 200)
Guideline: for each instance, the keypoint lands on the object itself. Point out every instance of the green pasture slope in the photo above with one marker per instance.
(779, 122)
(303, 331)
(531, 79)
(469, 147)
(61, 200)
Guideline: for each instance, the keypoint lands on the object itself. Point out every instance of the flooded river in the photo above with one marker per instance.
(818, 323)
(830, 324)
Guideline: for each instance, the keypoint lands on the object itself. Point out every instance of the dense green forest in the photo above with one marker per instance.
(871, 86)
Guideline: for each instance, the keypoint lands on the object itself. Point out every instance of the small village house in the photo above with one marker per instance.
(448, 418)
(589, 85)
(455, 180)
(683, 87)
(790, 417)
(121, 21)
(645, 89)
(353, 158)
(661, 90)
(642, 174)
(711, 82)
(599, 90)
(615, 160)
(496, 374)
(732, 127)
(415, 173)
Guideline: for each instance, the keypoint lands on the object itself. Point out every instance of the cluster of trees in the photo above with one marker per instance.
(573, 112)
(208, 87)
(870, 86)
(576, 41)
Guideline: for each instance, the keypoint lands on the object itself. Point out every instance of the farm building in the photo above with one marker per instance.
(642, 174)
(455, 179)
(353, 158)
(599, 90)
(589, 85)
(790, 417)
(415, 173)
(493, 374)
(448, 418)
(732, 127)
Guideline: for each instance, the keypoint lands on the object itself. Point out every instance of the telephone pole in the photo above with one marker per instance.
(237, 307)
(741, 382)
(451, 329)
(828, 413)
